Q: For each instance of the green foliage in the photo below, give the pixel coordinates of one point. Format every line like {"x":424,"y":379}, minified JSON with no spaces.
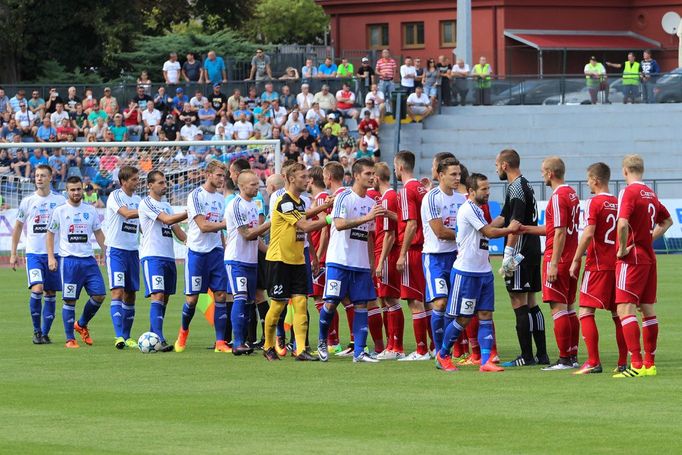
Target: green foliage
{"x":287,"y":21}
{"x":53,"y":72}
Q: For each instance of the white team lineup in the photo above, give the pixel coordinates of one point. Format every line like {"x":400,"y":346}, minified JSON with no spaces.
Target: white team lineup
{"x":366,"y":247}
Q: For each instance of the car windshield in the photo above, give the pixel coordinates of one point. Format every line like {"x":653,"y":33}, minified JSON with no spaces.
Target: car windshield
{"x":673,"y":75}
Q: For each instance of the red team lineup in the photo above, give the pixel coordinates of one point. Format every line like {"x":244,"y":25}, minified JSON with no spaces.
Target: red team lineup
{"x":372,"y":247}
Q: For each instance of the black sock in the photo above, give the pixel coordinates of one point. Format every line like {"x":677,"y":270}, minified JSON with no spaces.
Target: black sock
{"x":228,"y":331}
{"x":263,"y":308}
{"x":538,"y":329}
{"x":523,"y":332}
{"x":307,"y":330}
{"x":252,"y":326}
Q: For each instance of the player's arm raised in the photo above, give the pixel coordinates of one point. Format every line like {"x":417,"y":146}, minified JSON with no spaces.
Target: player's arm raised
{"x":342,"y":224}
{"x":583,"y":243}
{"x":16,"y":236}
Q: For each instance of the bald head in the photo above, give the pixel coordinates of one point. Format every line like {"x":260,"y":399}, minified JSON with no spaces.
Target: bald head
{"x":274,"y":182}
{"x":556,"y":166}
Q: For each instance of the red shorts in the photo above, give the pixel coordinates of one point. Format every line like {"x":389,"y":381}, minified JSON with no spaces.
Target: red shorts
{"x":563,"y":289}
{"x":318,"y":283}
{"x":388,"y":286}
{"x":598,"y":290}
{"x":635,"y":283}
{"x":412,"y":283}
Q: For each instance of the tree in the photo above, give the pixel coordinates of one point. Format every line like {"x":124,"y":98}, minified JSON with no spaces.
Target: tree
{"x":287,"y":21}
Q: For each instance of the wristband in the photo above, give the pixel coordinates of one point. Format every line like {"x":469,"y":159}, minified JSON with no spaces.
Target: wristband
{"x":329,"y":219}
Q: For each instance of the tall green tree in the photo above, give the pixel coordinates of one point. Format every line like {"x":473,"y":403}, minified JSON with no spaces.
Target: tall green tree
{"x":287,"y":21}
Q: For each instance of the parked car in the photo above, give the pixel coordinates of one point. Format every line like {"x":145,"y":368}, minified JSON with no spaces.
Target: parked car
{"x":668,"y":88}
{"x":536,"y":91}
{"x":583,"y":95}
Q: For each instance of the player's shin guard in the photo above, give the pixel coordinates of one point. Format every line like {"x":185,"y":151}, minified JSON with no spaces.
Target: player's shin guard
{"x":537,"y":321}
{"x":187,"y":315}
{"x":398,"y":328}
{"x":523,"y":332}
{"x":620,"y":341}
{"x":350,"y":316}
{"x":89,"y":310}
{"x":452,"y":332}
{"x":591,"y":338}
{"x":156,"y":315}
{"x":437,"y":329}
{"x":326,"y":318}
{"x":300,"y":322}
{"x":238,"y":318}
{"x":35,"y":306}
{"x":420,"y":328}
{"x":650,"y":338}
{"x":631,"y":334}
{"x":562,"y":333}
{"x":220,"y":320}
{"x":575,"y":332}
{"x":375,"y":324}
{"x":116,"y":310}
{"x":485,"y":339}
{"x":472,"y":335}
{"x":49,"y":308}
{"x":360,"y":331}
{"x":69,"y":317}
{"x":128,"y":319}
{"x":429,"y":332}
{"x":271,"y":319}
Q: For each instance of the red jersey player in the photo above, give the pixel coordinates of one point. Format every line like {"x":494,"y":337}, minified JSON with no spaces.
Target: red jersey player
{"x":558,"y":288}
{"x":375,"y":321}
{"x":411,"y":240}
{"x":641,"y":220}
{"x":598,"y":286}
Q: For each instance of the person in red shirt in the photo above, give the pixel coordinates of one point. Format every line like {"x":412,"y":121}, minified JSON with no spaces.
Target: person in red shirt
{"x":598,"y":286}
{"x":375,"y":319}
{"x":562,"y":218}
{"x":345,"y":102}
{"x":641,"y":220}
{"x":411,"y":240}
{"x":368,"y":123}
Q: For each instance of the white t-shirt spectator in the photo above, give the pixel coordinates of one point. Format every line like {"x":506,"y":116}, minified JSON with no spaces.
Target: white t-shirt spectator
{"x":317,"y":116}
{"x":377,"y":97}
{"x":279,"y":116}
{"x":172,"y":70}
{"x":419,"y":102}
{"x":243,"y":130}
{"x":24,"y":119}
{"x":374,"y":113}
{"x":152,"y":118}
{"x":305,"y":102}
{"x":197,"y":103}
{"x":464,"y":71}
{"x":57,"y":118}
{"x":407,"y":71}
{"x":188,"y":132}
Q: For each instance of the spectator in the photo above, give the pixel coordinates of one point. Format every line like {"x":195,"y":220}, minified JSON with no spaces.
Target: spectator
{"x":132,"y":117}
{"x":5,"y":162}
{"x":326,"y":100}
{"x":227,"y":126}
{"x":16,"y":100}
{"x":269,"y":94}
{"x":26,"y":120}
{"x":363,"y":150}
{"x":290,"y":74}
{"x":197,"y":101}
{"x":366,"y":72}
{"x":79,"y":121}
{"x":151,"y":119}
{"x":171,"y":69}
{"x":142,"y":98}
{"x":408,"y":73}
{"x":316,"y":113}
{"x":378,"y":98}
{"x":264,"y":109}
{"x":310,"y":157}
{"x":368,"y":124}
{"x":46,"y":132}
{"x":419,"y":72}
{"x":345,"y":102}
{"x":119,"y":130}
{"x":595,"y":78}
{"x":179,"y":100}
{"x":162,"y":102}
{"x":263,"y":127}
{"x":52,"y":100}
{"x":234,"y":100}
{"x":71,"y":100}
{"x":650,"y":73}
{"x":430,"y":79}
{"x":9,"y":131}
{"x":346,"y":163}
{"x":59,"y":164}
{"x":214,"y":68}
{"x":460,"y":73}
{"x":221,"y":135}
{"x":104,"y":181}
{"x":329,"y":146}
{"x":5,"y":107}
{"x":292,"y":152}
{"x":286,"y":99}
{"x":95,"y":114}
{"x":260,"y":66}
{"x":279,"y":114}
{"x":109,"y":161}
{"x":304,"y":100}
{"x":305,"y":140}
{"x":346,"y":141}
{"x":146,"y":84}
{"x":65,"y":129}
{"x":108,"y":103}
{"x":91,"y":197}
{"x":482,"y":78}
{"x":293,"y":127}
{"x":445,"y":70}
{"x":170,"y":128}
{"x":207,"y":116}
{"x":187,"y":113}
{"x":385,"y":69}
{"x":189,"y":130}
{"x":369,"y":145}
{"x":89,"y":101}
{"x":145,"y":163}
{"x":332,"y":124}
{"x":59,"y":115}
{"x":252,"y":99}
{"x":308,"y":71}
{"x":373,"y":111}
{"x":243,"y":109}
{"x":38,"y":158}
{"x":20,"y":164}
{"x":192,"y":71}
{"x":418,"y":104}
{"x":345,"y":69}
{"x":243,"y":129}
{"x":218,"y":101}
{"x":347,"y":179}
{"x":36,"y":104}
{"x":313,"y":128}
{"x":327,"y":69}
{"x":98,"y":132}
{"x":631,"y":75}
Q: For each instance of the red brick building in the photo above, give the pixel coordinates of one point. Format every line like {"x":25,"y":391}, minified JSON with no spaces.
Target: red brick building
{"x":517,"y":36}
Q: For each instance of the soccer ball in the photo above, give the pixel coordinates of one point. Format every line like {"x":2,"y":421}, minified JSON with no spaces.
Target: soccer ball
{"x":149,"y":342}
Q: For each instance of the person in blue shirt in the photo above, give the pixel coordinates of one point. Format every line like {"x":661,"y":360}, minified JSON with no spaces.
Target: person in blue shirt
{"x":269,"y":94}
{"x":179,"y":99}
{"x":37,"y":159}
{"x":215,"y":68}
{"x":46,"y":132}
{"x":327,"y":69}
{"x":650,"y":72}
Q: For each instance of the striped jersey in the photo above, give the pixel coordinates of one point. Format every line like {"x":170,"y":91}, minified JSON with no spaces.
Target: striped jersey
{"x":439,"y":205}
{"x":120,"y":232}
{"x":156,"y":239}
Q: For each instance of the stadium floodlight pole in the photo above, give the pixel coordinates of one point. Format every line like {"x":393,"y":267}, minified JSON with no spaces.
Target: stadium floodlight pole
{"x":464,"y":41}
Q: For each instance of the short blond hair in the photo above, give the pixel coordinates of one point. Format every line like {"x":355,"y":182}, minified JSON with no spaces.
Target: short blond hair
{"x":382,"y":171}
{"x":214,"y":165}
{"x":634,"y":164}
{"x":555,"y":165}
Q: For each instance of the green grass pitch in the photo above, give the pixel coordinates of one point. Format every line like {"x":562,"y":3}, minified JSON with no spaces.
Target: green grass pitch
{"x":100,"y":400}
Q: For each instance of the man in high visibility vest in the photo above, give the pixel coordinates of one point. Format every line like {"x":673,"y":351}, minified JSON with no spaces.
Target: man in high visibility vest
{"x":631,"y":77}
{"x":481,"y":74}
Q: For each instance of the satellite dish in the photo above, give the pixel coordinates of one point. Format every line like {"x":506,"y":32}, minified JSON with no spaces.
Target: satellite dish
{"x":670,"y":22}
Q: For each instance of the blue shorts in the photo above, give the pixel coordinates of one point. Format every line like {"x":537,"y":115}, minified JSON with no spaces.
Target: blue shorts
{"x":38,"y":272}
{"x":357,"y":285}
{"x":123,"y":269}
{"x":471,"y":293}
{"x":160,"y":275}
{"x":437,"y":268}
{"x":308,"y":269}
{"x":430,"y":90}
{"x":78,"y":273}
{"x":204,"y":271}
{"x":241,"y":279}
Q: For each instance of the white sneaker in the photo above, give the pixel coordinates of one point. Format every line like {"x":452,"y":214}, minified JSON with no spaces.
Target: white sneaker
{"x":346,"y":352}
{"x":387,"y":355}
{"x":364,"y":357}
{"x":432,"y":354}
{"x":415,"y":356}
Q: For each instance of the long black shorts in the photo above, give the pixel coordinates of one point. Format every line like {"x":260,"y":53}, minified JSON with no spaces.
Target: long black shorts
{"x":526,"y":278}
{"x":286,"y":280}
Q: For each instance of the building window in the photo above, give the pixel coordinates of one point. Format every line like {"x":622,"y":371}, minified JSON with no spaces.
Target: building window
{"x":448,"y":34}
{"x":377,"y":35}
{"x":413,"y":35}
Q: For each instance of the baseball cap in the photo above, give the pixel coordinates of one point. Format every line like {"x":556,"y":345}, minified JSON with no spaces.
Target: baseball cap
{"x":170,"y":116}
{"x":88,"y":187}
{"x":365,"y":60}
{"x":179,"y":90}
{"x":331,"y":116}
{"x":217,"y":84}
{"x":593,"y":58}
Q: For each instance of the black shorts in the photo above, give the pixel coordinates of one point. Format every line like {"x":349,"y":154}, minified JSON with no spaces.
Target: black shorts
{"x":526,"y":278}
{"x":286,"y":280}
{"x":262,"y":277}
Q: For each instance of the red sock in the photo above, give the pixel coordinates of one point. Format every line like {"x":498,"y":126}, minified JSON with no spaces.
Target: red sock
{"x":318,"y":305}
{"x":350,"y":314}
{"x":575,"y":332}
{"x":472,"y":334}
{"x":398,"y":327}
{"x":390,"y":331}
{"x":333,"y":337}
{"x":591,"y":338}
{"x":432,"y":346}
{"x":650,"y":337}
{"x":493,"y":350}
{"x":459,"y":348}
{"x":620,"y":341}
{"x":384,"y":318}
{"x":562,"y":333}
{"x":631,"y":334}
{"x":375,"y":325}
{"x":420,"y":329}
